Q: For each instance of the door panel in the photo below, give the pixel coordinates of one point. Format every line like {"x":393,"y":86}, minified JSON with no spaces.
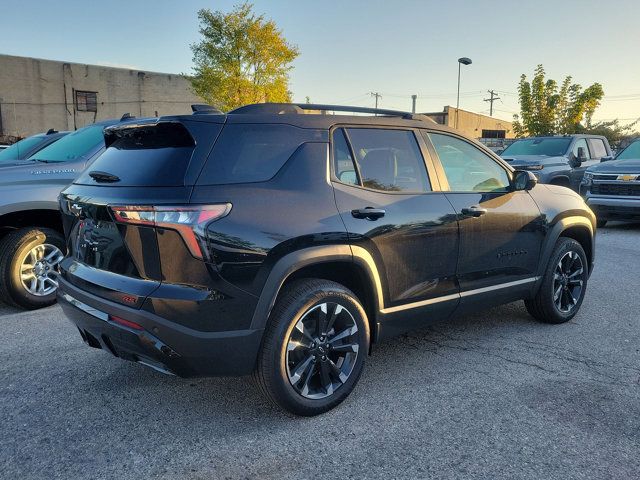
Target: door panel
{"x":501,"y":230}
{"x":415,"y":244}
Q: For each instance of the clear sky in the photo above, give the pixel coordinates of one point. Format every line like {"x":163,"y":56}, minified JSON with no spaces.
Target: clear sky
{"x":351,"y":48}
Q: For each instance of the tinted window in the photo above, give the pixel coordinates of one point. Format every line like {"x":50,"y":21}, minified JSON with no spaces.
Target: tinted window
{"x":581,"y":143}
{"x":631,"y":152}
{"x":468,"y":169}
{"x":389,"y":160}
{"x":73,"y":146}
{"x":252,"y":153}
{"x":145,"y":155}
{"x":342,"y":159}
{"x":19,"y":148}
{"x":549,"y":147}
{"x":598,"y":149}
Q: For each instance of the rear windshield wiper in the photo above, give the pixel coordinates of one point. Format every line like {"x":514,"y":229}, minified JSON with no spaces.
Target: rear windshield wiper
{"x":104,"y":177}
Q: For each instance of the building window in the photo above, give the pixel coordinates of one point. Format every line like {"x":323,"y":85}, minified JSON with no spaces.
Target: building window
{"x":86,"y":101}
{"x":493,"y":133}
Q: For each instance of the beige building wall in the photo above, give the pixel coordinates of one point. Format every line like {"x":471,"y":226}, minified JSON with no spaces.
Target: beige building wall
{"x":471,"y":124}
{"x":36,"y":95}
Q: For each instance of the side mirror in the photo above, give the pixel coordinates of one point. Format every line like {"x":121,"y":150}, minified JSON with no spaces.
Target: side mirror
{"x":606,"y":158}
{"x":575,"y":162}
{"x":524,"y":180}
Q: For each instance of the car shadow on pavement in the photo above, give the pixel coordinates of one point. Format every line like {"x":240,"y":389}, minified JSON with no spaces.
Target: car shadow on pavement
{"x":400,"y":358}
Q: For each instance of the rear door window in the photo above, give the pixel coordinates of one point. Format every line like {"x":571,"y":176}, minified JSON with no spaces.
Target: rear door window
{"x":247,"y":153}
{"x":598,"y":150}
{"x":386,"y":160}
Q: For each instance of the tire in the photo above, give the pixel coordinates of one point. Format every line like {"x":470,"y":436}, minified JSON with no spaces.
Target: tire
{"x":550,"y":307}
{"x":15,"y":253}
{"x":600,"y":223}
{"x":326,"y":380}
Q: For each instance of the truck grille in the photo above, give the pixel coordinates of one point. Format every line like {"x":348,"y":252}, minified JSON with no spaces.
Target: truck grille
{"x":627,"y":190}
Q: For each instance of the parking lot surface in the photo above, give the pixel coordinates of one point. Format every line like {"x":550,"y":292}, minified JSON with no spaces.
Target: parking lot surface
{"x":492,"y":395}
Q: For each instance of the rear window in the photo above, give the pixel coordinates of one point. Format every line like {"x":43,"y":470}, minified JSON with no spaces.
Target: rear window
{"x":141,"y":155}
{"x":247,"y":153}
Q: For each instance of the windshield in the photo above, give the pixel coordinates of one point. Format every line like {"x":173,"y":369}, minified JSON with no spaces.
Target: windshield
{"x":631,"y":152}
{"x":548,"y":147}
{"x":73,"y":146}
{"x":14,"y":151}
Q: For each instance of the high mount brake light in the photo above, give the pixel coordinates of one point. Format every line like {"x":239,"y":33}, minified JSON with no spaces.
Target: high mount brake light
{"x":188,"y":220}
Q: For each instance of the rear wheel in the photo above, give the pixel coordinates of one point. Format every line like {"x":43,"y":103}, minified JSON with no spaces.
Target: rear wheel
{"x":563,"y":286}
{"x":29,"y":260}
{"x":314,"y":347}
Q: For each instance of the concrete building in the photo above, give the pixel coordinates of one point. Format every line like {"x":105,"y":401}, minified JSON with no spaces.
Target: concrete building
{"x":36,"y":95}
{"x":474,"y":125}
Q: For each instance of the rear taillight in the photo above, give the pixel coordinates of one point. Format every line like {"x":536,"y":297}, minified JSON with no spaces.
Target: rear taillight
{"x":188,"y":220}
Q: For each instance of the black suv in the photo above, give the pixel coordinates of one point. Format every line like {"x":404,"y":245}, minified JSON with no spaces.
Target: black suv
{"x":283,"y":241}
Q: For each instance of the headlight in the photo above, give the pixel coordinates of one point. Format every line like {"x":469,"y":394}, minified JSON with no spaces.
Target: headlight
{"x":587,"y":179}
{"x":532,"y":167}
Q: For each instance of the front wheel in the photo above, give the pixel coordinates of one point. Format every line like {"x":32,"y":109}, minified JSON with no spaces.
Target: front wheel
{"x":563,"y":286}
{"x":314,"y":347}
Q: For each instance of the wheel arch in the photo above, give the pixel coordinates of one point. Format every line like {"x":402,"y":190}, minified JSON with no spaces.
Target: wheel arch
{"x":31,"y":217}
{"x":350,"y":266}
{"x":576,"y":227}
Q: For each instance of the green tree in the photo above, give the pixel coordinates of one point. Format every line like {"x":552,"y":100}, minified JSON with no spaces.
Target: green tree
{"x":242,"y":58}
{"x":546,"y":109}
{"x":616,"y":134}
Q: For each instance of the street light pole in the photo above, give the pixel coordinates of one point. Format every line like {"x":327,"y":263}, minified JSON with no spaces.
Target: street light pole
{"x":461,"y":61}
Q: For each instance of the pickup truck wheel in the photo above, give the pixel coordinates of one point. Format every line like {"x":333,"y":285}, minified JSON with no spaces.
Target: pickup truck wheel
{"x":563,"y":286}
{"x":314,"y":347}
{"x":29,"y":260}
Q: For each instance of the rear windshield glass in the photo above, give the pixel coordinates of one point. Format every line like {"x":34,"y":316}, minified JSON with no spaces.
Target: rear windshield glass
{"x":145,"y":155}
{"x":247,"y":153}
{"x":549,"y":147}
{"x":74,"y":146}
{"x":15,"y":151}
{"x":631,"y":152}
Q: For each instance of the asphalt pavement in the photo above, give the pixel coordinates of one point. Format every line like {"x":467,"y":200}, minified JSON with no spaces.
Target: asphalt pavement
{"x":491,"y":395}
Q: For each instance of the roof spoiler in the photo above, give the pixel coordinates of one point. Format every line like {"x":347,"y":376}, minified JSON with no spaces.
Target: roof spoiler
{"x":204,"y":109}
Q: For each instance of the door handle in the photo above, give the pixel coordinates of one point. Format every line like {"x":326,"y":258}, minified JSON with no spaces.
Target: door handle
{"x":369,"y":213}
{"x":474,"y":211}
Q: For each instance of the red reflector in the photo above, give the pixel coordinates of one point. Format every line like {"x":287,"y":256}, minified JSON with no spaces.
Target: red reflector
{"x":125,"y":323}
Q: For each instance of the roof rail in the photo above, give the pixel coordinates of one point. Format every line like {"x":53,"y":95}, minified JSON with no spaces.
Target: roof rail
{"x":296,"y":108}
{"x":202,"y":109}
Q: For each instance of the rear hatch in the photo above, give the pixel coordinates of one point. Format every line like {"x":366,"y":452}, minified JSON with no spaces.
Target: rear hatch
{"x":137,"y":189}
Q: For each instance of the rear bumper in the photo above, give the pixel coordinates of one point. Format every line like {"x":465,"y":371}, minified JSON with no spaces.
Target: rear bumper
{"x":615,"y":208}
{"x":159,"y":343}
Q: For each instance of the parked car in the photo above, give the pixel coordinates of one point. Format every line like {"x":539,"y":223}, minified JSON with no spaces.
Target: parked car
{"x":28,"y":146}
{"x":31,"y":236}
{"x":283,"y":244}
{"x":612,"y":188}
{"x":558,"y":160}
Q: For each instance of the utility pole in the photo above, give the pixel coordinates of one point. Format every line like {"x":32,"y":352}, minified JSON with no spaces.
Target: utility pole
{"x":493,"y":98}
{"x":377,"y":95}
{"x":413,"y":103}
